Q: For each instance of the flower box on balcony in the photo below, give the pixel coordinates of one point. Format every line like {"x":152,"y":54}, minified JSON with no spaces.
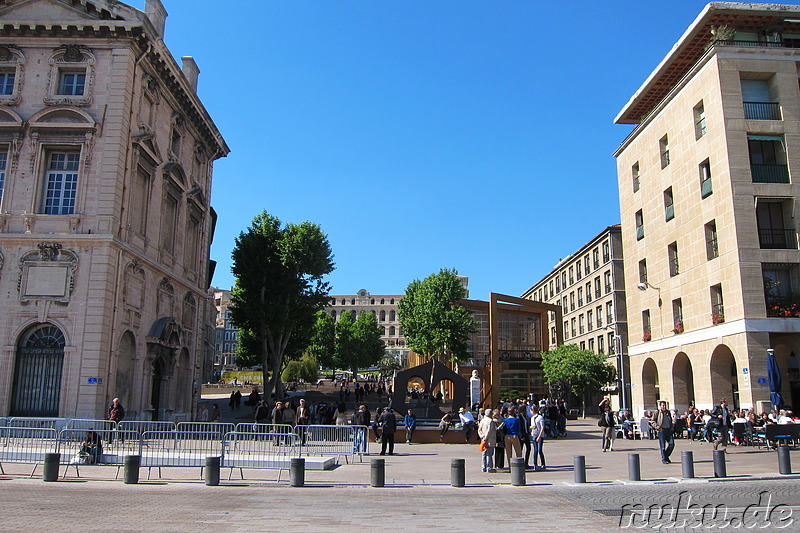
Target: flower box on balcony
{"x":678,"y":329}
{"x":717,"y":319}
{"x":647,"y":337}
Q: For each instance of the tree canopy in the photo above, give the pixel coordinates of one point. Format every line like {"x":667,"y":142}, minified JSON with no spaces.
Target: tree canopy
{"x":358,"y":342}
{"x":582,"y":372}
{"x":434,"y":324}
{"x":323,"y":340}
{"x":279,"y":288}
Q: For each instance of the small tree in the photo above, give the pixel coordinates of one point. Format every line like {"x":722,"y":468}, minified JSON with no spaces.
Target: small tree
{"x":434,"y":323}
{"x":323,"y":340}
{"x":581,"y":371}
{"x":305,"y":368}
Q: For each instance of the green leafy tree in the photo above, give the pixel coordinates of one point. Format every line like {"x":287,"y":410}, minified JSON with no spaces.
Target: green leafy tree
{"x":279,"y":288}
{"x":323,"y":340}
{"x":304,"y":368}
{"x":358,"y":342}
{"x":434,"y":323}
{"x":248,"y":349}
{"x":388,"y":366}
{"x":582,"y":372}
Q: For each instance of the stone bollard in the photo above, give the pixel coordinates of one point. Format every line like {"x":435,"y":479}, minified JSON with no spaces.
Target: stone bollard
{"x":518,"y":471}
{"x":579,"y":466}
{"x":297,"y":472}
{"x":50,"y":469}
{"x":212,"y":471}
{"x":634,"y":467}
{"x":784,"y":460}
{"x":719,"y":464}
{"x":687,"y":464}
{"x":377,"y":473}
{"x":457,"y":472}
{"x":131,"y":472}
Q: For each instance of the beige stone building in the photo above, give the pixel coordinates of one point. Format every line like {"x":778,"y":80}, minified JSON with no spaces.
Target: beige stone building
{"x":708,"y":186}
{"x":384,"y":307}
{"x":226,"y":333}
{"x":589,"y":286}
{"x":105,"y":173}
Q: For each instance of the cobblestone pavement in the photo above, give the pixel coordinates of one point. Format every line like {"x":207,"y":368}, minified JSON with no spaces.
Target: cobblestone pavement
{"x":772,"y":505}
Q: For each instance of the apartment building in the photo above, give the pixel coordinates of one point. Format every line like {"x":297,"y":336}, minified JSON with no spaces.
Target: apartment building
{"x":589,"y":286}
{"x":707,"y":186}
{"x":226,"y":333}
{"x":106,"y":157}
{"x":384,"y":307}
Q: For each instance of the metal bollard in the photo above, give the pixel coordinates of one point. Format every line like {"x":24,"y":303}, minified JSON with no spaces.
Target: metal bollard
{"x":131,"y":474}
{"x":297,"y":472}
{"x":784,"y":460}
{"x":457,"y":475}
{"x":50,"y":470}
{"x":212,"y":471}
{"x":634,"y":467}
{"x":518,"y":471}
{"x":579,"y":466}
{"x":687,"y":464}
{"x":719,"y":464}
{"x":377,"y":473}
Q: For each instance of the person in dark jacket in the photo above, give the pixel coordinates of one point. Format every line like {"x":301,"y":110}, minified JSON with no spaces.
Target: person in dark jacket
{"x":724,"y":423}
{"x":388,"y":424}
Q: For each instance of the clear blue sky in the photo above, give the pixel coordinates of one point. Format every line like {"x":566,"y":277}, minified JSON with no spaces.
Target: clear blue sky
{"x":468,"y":134}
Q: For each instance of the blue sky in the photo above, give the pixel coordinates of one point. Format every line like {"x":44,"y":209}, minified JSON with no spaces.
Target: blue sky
{"x":420,"y":135}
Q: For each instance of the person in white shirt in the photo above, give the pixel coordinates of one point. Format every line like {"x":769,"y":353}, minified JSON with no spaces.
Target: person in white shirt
{"x":537,"y":439}
{"x":467,"y":422}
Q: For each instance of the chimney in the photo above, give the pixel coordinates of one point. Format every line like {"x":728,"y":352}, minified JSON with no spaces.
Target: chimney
{"x":155,"y":11}
{"x":191,"y":71}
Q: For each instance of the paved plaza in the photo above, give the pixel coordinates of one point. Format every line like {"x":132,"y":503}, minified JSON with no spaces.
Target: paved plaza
{"x":418,"y":494}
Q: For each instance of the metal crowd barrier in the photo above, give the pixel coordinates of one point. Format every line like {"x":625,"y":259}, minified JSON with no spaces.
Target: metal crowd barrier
{"x":243,"y":427}
{"x":260,"y":450}
{"x":37,"y":422}
{"x":114,"y":446}
{"x":342,"y":441}
{"x":26,"y":445}
{"x":220,"y":429}
{"x":146,"y":425}
{"x":86,"y":424}
{"x":178,"y":448}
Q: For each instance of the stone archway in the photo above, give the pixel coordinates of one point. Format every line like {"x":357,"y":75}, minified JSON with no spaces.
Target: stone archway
{"x":682,"y":382}
{"x":650,"y":386}
{"x":38,"y":368}
{"x":724,"y":376}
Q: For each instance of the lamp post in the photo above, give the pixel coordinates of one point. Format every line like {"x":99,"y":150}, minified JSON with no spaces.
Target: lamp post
{"x":620,"y":364}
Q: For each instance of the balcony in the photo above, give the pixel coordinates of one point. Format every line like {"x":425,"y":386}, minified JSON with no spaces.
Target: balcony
{"x":762,"y":111}
{"x":770,"y":173}
{"x":783,"y":307}
{"x":777,"y":239}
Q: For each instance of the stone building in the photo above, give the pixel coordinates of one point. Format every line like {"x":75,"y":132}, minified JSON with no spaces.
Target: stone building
{"x":106,"y":157}
{"x":589,"y":285}
{"x":226,"y":334}
{"x":708,"y":187}
{"x":384,"y":307}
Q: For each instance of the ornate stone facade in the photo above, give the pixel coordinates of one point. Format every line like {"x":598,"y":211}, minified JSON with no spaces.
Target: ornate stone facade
{"x":106,"y":157}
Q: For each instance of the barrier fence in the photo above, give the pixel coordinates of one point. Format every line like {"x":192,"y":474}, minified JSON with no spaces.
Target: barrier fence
{"x":166,"y":444}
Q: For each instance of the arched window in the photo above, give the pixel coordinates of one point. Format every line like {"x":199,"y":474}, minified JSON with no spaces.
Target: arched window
{"x":333,"y":314}
{"x":391,"y":331}
{"x":391,"y":301}
{"x":383,"y":316}
{"x":37,"y":372}
{"x":382,"y":301}
{"x":392,"y":316}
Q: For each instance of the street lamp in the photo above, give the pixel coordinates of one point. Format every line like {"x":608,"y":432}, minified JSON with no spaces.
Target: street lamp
{"x":645,"y":285}
{"x":620,"y":364}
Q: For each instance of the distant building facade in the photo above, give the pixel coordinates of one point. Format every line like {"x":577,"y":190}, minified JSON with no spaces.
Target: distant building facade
{"x":106,"y":156}
{"x":226,"y":333}
{"x":384,"y":307}
{"x":589,"y":286}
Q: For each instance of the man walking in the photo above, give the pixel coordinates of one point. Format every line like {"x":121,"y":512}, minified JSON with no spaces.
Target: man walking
{"x":388,"y":423}
{"x":724,"y":425}
{"x":664,"y":424}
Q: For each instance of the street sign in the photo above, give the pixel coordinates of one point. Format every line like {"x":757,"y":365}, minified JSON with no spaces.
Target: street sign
{"x":94,"y":381}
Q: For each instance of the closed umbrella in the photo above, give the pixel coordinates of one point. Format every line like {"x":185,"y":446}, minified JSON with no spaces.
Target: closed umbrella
{"x":774,"y":377}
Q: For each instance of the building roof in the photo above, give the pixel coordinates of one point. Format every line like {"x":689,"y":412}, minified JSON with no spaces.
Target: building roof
{"x":694,"y":44}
